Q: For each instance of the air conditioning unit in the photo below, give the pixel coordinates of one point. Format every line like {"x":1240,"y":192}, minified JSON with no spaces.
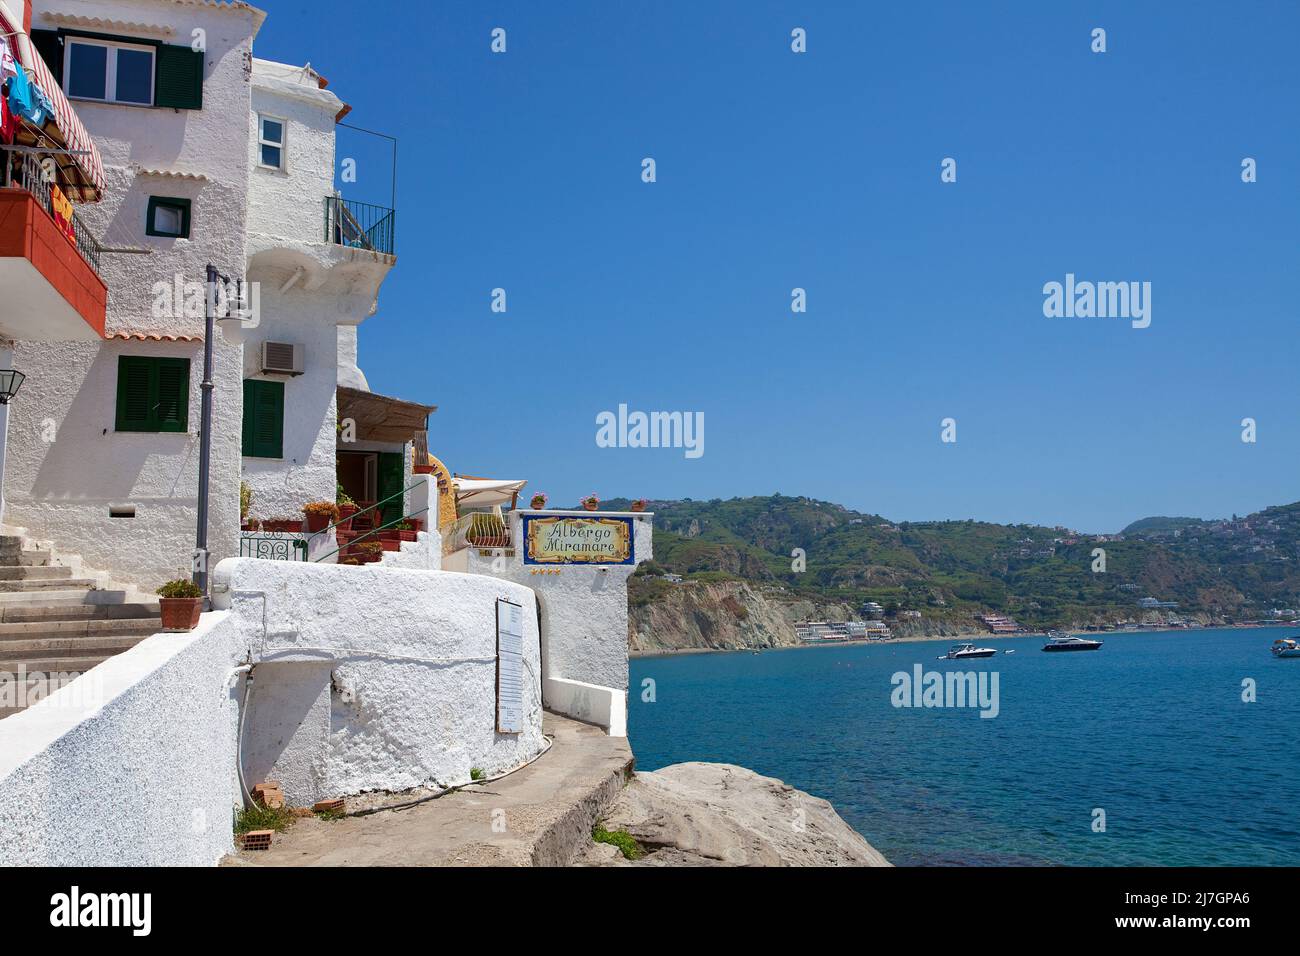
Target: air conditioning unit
{"x":281,"y":358}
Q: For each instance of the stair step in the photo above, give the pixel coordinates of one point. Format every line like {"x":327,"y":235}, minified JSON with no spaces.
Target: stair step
{"x":71,"y":597}
{"x":33,"y":573}
{"x":46,"y":584}
{"x":24,"y":613}
{"x":43,"y":647}
{"x":34,"y":558}
{"x":47,"y":663}
{"x":27,"y":630}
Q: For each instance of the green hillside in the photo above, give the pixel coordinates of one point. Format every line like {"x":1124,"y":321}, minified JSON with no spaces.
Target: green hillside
{"x":1233,"y":569}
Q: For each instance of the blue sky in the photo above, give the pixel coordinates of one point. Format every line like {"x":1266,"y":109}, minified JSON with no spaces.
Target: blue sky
{"x":822,"y":171}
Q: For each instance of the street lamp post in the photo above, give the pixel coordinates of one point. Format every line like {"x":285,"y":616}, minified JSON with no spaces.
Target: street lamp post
{"x":205,"y":431}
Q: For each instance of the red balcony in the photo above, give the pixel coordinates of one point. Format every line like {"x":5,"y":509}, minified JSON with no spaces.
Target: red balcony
{"x":51,"y":289}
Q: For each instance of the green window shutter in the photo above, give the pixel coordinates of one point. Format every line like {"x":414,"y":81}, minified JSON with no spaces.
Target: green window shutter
{"x":133,"y":401}
{"x":263,"y":435}
{"x":178,"y":77}
{"x":173,"y":405}
{"x":49,"y":45}
{"x":153,"y":394}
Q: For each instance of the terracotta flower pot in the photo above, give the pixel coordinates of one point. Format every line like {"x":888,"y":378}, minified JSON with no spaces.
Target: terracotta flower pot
{"x":591,"y":505}
{"x":180,"y":614}
{"x":345,"y":516}
{"x":422,"y":469}
{"x":638,"y":506}
{"x":537,"y":504}
{"x":317,"y":522}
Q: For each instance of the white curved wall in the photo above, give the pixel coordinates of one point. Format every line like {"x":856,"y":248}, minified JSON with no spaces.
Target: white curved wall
{"x":375,"y":677}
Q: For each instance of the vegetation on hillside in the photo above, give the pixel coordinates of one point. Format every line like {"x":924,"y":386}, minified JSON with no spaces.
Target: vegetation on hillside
{"x":1234,"y":569}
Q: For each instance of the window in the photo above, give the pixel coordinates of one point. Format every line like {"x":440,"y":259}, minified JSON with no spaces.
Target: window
{"x":167,"y":216}
{"x":112,"y":72}
{"x":153,"y":394}
{"x":270,"y":141}
{"x":123,"y":69}
{"x":263,"y":419}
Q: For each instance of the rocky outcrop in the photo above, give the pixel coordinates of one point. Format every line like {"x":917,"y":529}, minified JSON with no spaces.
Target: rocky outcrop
{"x":734,"y":615}
{"x":716,"y":814}
{"x":721,"y":616}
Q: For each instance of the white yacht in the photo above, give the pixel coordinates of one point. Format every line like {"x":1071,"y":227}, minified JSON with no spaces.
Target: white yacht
{"x":959,"y":652}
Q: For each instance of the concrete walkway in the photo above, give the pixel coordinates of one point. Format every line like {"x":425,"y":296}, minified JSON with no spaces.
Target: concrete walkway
{"x":548,"y":810}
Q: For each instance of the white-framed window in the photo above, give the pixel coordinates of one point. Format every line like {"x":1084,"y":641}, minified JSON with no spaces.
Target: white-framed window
{"x":109,"y":72}
{"x":271,"y":132}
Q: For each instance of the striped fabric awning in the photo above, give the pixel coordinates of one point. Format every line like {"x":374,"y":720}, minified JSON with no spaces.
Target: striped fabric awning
{"x":83,"y":170}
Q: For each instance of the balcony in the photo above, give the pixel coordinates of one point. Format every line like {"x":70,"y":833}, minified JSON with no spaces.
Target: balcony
{"x":359,"y":225}
{"x":53,"y":291}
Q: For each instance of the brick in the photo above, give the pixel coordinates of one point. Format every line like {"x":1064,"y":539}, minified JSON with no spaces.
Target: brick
{"x":327,"y":806}
{"x":257,"y":840}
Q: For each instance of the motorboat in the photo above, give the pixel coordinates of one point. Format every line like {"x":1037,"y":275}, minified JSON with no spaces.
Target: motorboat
{"x":960,"y":652}
{"x":1065,"y":642}
{"x":1286,"y":647}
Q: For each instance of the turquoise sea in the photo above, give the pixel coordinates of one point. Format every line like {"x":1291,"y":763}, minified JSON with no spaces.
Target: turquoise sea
{"x":1151,"y":729}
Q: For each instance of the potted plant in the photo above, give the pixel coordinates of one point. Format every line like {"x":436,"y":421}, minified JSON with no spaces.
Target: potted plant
{"x":368,"y":552}
{"x":245,"y":500}
{"x":538,"y":501}
{"x":180,"y":602}
{"x":252,"y":524}
{"x":347,"y":508}
{"x":639,"y":504}
{"x":320,"y":514}
{"x":591,"y":502}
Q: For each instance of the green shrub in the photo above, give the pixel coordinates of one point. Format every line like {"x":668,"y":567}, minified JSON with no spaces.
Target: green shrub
{"x":180,"y":588}
{"x":625,"y":842}
{"x":258,"y":817}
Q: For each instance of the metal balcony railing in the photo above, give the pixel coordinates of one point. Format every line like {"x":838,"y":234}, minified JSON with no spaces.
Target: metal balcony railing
{"x":478,"y":529}
{"x":359,"y":225}
{"x":34,"y":179}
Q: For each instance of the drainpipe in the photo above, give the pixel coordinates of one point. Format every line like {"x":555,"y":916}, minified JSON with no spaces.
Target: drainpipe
{"x":205,"y":435}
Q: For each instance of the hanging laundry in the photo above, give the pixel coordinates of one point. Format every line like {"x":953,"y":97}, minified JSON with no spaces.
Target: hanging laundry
{"x":43,"y":109}
{"x":8,"y":64}
{"x":21,"y":100}
{"x":7,"y":122}
{"x":62,"y":210}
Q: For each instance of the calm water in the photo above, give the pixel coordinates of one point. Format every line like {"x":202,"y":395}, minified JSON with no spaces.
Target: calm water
{"x":1151,"y":728}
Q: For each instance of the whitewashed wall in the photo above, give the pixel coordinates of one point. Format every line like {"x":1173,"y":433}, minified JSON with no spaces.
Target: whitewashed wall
{"x":584,"y":609}
{"x":366,"y":678}
{"x":310,"y":288}
{"x":142,"y":775}
{"x":375,"y":677}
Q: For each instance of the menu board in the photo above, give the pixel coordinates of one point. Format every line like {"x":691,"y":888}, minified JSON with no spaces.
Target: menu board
{"x":510,"y":667}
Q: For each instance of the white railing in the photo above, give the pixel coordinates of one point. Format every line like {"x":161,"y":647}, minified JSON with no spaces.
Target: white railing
{"x":478,"y":529}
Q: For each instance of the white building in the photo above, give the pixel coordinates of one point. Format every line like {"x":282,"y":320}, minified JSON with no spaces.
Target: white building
{"x":210,"y":156}
{"x":102,"y":458}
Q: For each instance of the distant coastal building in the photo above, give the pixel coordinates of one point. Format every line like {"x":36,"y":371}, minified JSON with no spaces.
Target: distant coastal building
{"x":1150,"y":603}
{"x":814,"y":632}
{"x":872,"y":609}
{"x":999,"y":624}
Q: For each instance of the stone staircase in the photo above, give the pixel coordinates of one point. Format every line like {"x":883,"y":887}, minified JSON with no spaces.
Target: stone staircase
{"x":57,"y":619}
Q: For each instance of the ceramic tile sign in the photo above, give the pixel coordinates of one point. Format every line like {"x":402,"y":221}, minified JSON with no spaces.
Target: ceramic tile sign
{"x":571,"y":539}
{"x":510,"y":667}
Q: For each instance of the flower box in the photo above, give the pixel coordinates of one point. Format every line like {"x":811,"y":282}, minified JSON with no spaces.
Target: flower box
{"x":180,"y":614}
